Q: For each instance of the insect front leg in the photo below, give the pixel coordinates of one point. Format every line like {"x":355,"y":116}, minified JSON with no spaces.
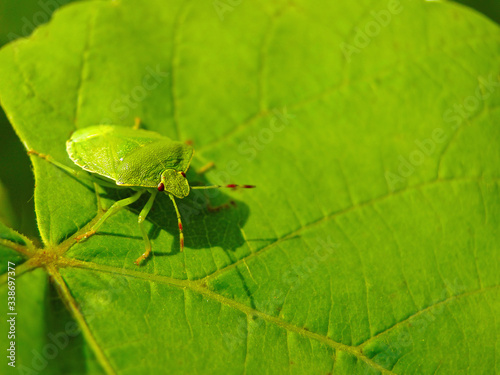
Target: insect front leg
{"x":179,"y":222}
{"x":142,"y":217}
{"x":117,"y":206}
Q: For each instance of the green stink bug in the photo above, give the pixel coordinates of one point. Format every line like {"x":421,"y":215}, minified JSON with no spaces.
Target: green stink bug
{"x":142,"y":160}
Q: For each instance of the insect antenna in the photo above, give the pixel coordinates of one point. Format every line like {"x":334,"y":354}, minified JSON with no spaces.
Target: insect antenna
{"x":231,"y":186}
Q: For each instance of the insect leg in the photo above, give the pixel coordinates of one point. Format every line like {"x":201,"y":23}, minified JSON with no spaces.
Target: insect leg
{"x":50,"y":159}
{"x":181,"y":234}
{"x":142,"y":217}
{"x":118,"y":205}
{"x":98,"y":197}
{"x":231,"y":186}
{"x":137,"y":123}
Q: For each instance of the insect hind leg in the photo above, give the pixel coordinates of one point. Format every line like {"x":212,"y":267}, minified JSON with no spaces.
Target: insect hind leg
{"x":65,"y":168}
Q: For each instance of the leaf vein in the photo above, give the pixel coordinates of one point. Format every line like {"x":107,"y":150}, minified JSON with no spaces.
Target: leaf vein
{"x":427,"y":309}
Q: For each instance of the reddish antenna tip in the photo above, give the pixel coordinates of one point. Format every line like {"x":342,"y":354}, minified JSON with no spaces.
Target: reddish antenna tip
{"x":183,"y":174}
{"x":248,"y":186}
{"x":161,"y":187}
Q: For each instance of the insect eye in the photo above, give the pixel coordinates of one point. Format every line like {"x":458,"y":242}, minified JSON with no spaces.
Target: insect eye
{"x":161,"y":187}
{"x":183,"y":174}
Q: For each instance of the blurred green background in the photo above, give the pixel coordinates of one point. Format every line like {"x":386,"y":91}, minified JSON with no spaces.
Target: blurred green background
{"x":18,"y":18}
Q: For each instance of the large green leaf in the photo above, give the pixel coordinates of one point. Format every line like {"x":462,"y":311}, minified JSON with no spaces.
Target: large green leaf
{"x":371,"y":131}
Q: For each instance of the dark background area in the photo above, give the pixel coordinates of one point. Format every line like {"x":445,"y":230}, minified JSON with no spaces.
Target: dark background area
{"x":18,"y":18}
